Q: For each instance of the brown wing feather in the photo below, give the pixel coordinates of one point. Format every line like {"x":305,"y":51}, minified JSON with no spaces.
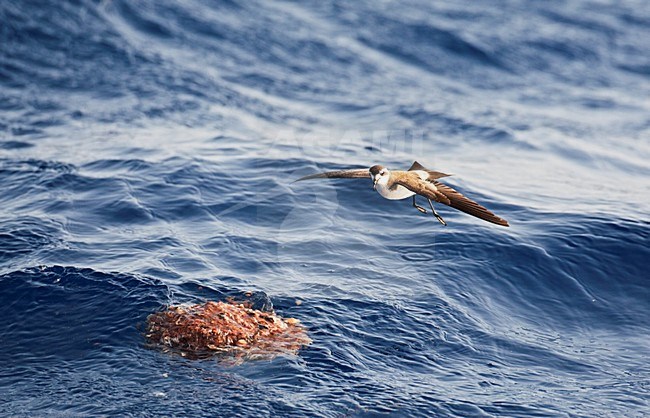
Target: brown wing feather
{"x":341,"y":174}
{"x":433,"y":175}
{"x":460,"y":202}
{"x":445,"y":194}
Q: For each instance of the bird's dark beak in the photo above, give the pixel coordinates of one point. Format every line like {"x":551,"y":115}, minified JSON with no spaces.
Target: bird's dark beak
{"x":374,"y":184}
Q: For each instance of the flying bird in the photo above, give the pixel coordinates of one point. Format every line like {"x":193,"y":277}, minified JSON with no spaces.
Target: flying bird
{"x":417,"y":180}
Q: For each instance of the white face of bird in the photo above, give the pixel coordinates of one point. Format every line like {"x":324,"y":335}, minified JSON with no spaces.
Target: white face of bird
{"x":381,"y":177}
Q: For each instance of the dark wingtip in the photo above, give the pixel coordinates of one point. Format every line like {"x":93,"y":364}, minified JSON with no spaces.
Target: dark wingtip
{"x":416,"y":166}
{"x":499,"y":221}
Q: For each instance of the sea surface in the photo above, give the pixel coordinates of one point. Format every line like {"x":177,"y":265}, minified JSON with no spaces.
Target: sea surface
{"x":147,"y":156}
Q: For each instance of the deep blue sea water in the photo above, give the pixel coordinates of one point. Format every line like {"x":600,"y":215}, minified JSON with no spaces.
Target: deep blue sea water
{"x":147,"y":153}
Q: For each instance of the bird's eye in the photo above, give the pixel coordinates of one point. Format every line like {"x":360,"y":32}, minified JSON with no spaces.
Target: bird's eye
{"x":382,"y":172}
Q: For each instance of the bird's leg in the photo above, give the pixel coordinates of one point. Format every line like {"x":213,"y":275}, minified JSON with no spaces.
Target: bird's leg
{"x":418,"y":207}
{"x":438,"y":217}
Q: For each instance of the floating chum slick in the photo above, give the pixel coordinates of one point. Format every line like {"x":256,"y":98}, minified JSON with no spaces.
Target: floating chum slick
{"x":233,"y":330}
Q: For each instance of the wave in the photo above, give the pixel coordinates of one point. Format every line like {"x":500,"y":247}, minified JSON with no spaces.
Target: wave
{"x":159,"y":140}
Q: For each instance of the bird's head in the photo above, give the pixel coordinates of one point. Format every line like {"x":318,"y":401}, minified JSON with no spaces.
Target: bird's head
{"x":379,"y":175}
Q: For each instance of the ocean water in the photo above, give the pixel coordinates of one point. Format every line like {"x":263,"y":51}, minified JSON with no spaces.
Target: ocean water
{"x":147,"y":154}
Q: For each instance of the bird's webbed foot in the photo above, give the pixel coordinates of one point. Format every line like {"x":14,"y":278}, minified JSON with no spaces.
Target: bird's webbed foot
{"x":438,"y":217}
{"x":418,"y":207}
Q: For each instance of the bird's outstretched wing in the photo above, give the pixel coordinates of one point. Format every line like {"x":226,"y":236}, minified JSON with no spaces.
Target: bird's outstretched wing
{"x":342,"y":174}
{"x":445,"y":194}
{"x":433,"y":175}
